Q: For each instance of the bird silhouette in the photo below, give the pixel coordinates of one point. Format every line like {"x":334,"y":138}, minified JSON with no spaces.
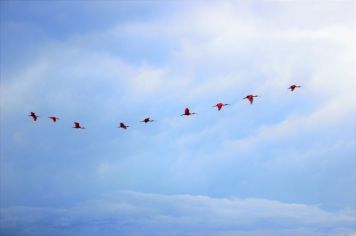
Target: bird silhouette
{"x":54,"y":118}
{"x":34,"y":116}
{"x":77,"y":126}
{"x":250,"y":97}
{"x":187,"y":112}
{"x":146,"y":120}
{"x":123,"y":126}
{"x":293,"y":86}
{"x":220,"y":105}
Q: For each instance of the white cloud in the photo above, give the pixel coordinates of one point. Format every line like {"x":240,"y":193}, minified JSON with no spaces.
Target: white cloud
{"x":228,"y":41}
{"x":77,"y":79}
{"x":157,"y":214}
{"x":334,"y":113}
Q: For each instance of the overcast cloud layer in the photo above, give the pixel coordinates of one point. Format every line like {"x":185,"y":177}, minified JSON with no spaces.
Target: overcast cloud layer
{"x":282,"y":166}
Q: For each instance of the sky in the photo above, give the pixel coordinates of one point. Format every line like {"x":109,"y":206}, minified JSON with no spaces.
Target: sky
{"x":284,"y":165}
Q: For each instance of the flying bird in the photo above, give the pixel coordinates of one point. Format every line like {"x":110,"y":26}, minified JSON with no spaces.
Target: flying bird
{"x":123,"y":126}
{"x":293,"y":86}
{"x":146,"y":120}
{"x":220,"y":105}
{"x":77,"y":126}
{"x":54,"y":118}
{"x":187,"y":112}
{"x":250,"y":97}
{"x":34,"y":116}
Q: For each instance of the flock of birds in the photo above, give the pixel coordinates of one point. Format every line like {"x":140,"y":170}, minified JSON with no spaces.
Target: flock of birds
{"x":187,"y":112}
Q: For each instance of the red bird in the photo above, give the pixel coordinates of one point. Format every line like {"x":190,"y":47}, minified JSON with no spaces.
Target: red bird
{"x":146,"y":120}
{"x":77,"y":126}
{"x":250,"y":97}
{"x":123,"y":126}
{"x":54,"y":118}
{"x":34,"y":116}
{"x":293,"y":86}
{"x":187,"y":112}
{"x":220,"y":105}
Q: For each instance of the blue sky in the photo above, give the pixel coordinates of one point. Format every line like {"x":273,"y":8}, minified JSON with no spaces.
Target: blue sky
{"x":282,"y":166}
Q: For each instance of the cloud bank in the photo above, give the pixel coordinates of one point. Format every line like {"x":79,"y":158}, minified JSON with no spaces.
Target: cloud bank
{"x":135,"y":213}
